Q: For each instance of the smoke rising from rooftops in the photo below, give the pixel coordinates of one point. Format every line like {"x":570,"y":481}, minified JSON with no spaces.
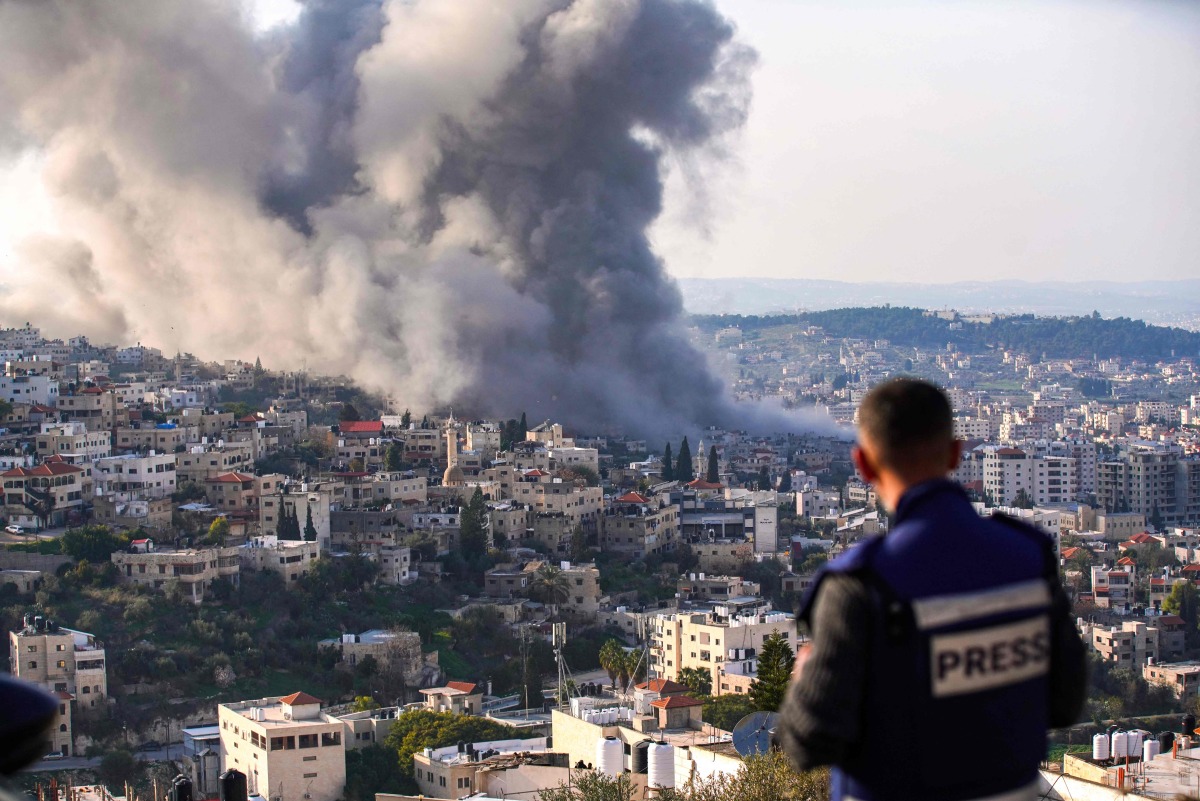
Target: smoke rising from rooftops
{"x":447,"y":201}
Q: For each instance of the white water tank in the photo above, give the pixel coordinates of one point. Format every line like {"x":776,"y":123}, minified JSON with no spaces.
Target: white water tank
{"x":1120,"y":744}
{"x":660,"y":769}
{"x":608,"y":757}
{"x":1150,"y":749}
{"x":1134,"y":746}
{"x":1100,"y":747}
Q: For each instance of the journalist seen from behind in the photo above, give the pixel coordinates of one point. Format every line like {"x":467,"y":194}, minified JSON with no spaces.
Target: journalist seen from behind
{"x":942,"y":652}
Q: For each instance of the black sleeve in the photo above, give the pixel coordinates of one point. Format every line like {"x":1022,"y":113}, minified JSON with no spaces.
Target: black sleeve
{"x":1068,"y":662}
{"x":821,"y":716}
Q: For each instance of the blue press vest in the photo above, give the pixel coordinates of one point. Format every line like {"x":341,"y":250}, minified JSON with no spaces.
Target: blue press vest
{"x":956,"y":701}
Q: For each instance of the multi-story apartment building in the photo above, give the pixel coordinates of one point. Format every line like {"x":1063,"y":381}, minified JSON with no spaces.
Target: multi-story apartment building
{"x":1153,"y":480}
{"x":149,"y":476}
{"x":635,"y":525}
{"x":360,"y":439}
{"x":398,"y":651}
{"x":291,"y":559}
{"x":73,"y":442}
{"x":201,"y":462}
{"x":1113,"y":586}
{"x":287,"y":747}
{"x":51,"y":492}
{"x":1129,"y":645}
{"x":68,"y":663}
{"x":195,"y":569}
{"x":98,"y":409}
{"x":38,"y":389}
{"x":726,"y":641}
{"x":580,"y":588}
{"x":1182,"y":678}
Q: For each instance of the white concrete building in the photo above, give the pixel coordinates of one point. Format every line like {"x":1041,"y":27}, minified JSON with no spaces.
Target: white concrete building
{"x":286,"y":746}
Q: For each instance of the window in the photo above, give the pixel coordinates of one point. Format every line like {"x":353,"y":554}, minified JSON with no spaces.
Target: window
{"x":310,"y":775}
{"x":441,"y":781}
{"x":33,"y":665}
{"x":331,"y":738}
{"x":62,"y":663}
{"x":308,"y":741}
{"x":31,"y":649}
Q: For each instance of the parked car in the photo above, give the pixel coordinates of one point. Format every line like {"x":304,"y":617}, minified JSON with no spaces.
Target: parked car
{"x":14,"y":529}
{"x":54,"y":755}
{"x":150,"y":745}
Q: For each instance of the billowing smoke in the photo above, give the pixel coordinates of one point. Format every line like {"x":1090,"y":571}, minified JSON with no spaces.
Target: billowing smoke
{"x":447,"y":199}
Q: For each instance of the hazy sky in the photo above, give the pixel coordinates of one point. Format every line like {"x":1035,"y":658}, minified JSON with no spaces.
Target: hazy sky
{"x":956,"y":140}
{"x":930,"y":142}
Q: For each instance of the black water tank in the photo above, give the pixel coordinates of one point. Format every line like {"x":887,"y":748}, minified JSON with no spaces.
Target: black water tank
{"x":1166,"y":739}
{"x":549,"y":741}
{"x":641,"y":756}
{"x":1189,"y":724}
{"x":181,"y":790}
{"x":233,"y":785}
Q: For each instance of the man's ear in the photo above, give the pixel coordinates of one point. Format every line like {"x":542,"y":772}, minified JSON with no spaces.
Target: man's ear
{"x":956,"y":446}
{"x":862,"y":461}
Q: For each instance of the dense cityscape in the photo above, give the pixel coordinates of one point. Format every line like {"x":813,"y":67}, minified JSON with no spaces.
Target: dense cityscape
{"x":193,"y":548}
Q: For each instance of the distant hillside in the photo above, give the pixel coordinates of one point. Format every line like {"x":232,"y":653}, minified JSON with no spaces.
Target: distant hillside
{"x":1056,"y":337}
{"x":1174,"y":303}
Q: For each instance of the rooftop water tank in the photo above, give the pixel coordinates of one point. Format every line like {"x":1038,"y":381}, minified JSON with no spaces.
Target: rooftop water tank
{"x":608,"y":757}
{"x":1100,"y":747}
{"x":641,"y":757}
{"x":661,"y":767}
{"x":1150,"y":749}
{"x":1120,"y":745}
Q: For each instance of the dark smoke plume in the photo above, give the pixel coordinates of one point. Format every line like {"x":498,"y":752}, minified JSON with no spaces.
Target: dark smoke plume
{"x":447,"y":200}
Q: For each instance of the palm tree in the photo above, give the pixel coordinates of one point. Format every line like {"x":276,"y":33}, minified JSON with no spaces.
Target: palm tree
{"x":612,"y":658}
{"x":550,"y":585}
{"x":633,"y":667}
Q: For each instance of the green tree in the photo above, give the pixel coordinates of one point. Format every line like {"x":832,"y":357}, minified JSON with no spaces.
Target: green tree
{"x":633,"y":668}
{"x":612,"y":658}
{"x":1023,"y":501}
{"x":1184,"y":601}
{"x":406,"y":419}
{"x":218,"y":530}
{"x":472,"y":535}
{"x":774,"y":671}
{"x":697,"y":680}
{"x":724,"y":711}
{"x":418,"y":729}
{"x":591,"y":785}
{"x":393,"y":457}
{"x":363,"y":703}
{"x":94,"y":543}
{"x":765,"y":777}
{"x":684,"y":471}
{"x":374,"y":769}
{"x":713,"y":475}
{"x":550,"y":585}
{"x":668,"y":461}
{"x":310,"y":531}
{"x":764,"y":478}
{"x":117,"y":768}
{"x":357,"y":465}
{"x":522,"y":428}
{"x":785,"y":482}
{"x":579,"y":545}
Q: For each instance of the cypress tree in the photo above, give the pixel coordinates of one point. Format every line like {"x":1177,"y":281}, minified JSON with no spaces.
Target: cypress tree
{"x":684,"y":471}
{"x":310,"y":531}
{"x":668,"y":469}
{"x":524,"y":429}
{"x":774,"y":670}
{"x":764,"y":478}
{"x":713,"y":475}
{"x":785,"y":483}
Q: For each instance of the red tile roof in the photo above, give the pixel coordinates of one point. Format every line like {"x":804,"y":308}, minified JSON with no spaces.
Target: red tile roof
{"x":462,"y":686}
{"x":1143,"y":537}
{"x":704,"y":485}
{"x":662,"y":686}
{"x":361,"y":427}
{"x":1069,"y":552}
{"x":51,"y":469}
{"x":632,"y":497}
{"x":1126,"y":561}
{"x":299,"y":699}
{"x":675,"y":702}
{"x":535,"y":473}
{"x":233,"y":477}
{"x":1191,"y":568}
{"x":1172,"y":620}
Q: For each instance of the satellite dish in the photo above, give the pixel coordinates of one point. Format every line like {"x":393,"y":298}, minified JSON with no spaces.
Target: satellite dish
{"x":752,"y":734}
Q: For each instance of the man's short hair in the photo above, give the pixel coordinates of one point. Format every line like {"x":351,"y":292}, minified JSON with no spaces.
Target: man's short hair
{"x":907,"y":421}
